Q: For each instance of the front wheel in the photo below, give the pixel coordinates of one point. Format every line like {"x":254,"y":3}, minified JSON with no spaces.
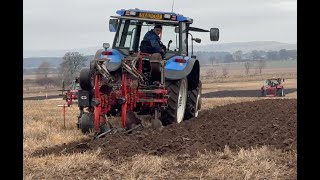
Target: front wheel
{"x":177,"y":91}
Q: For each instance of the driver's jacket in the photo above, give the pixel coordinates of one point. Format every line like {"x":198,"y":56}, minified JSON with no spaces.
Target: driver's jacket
{"x":151,"y":43}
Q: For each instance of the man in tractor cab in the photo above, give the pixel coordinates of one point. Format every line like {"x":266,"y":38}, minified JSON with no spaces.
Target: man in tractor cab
{"x":151,"y":43}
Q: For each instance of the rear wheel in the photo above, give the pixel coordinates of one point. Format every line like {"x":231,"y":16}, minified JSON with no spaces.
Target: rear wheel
{"x":177,"y":91}
{"x":193,"y":102}
{"x":280,"y":92}
{"x":86,"y":81}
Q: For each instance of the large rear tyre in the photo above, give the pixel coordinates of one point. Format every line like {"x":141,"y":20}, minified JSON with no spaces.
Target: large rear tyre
{"x":193,"y":103}
{"x":177,"y":91}
{"x":85,"y":79}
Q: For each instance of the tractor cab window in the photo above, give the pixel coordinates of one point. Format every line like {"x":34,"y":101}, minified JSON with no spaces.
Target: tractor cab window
{"x":126,"y":36}
{"x":168,"y":37}
{"x":273,"y":82}
{"x":184,"y":40}
{"x":77,"y":86}
{"x":131,"y":33}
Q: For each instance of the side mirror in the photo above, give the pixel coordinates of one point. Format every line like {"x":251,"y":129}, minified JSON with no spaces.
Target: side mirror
{"x":197,"y":40}
{"x":214,"y":34}
{"x":113,"y":25}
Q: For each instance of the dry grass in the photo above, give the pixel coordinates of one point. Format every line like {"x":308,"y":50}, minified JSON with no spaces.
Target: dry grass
{"x":289,"y":83}
{"x":43,"y":124}
{"x":255,"y":163}
{"x":43,"y":127}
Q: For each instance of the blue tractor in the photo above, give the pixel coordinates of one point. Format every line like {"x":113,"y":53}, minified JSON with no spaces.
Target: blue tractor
{"x":124,"y":82}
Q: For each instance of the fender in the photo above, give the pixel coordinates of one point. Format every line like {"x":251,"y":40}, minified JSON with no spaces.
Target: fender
{"x":174,"y":72}
{"x":116,"y":58}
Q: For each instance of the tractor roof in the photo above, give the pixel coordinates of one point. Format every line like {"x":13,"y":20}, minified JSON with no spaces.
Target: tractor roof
{"x":153,"y":15}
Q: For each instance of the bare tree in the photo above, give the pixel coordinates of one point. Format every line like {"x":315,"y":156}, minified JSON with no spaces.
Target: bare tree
{"x":237,"y":55}
{"x":247,"y":66}
{"x":212,"y":59}
{"x":44,"y":69}
{"x":260,"y":65}
{"x":225,"y":71}
{"x":72,"y":62}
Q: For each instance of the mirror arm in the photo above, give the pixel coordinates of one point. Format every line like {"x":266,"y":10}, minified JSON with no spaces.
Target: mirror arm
{"x":191,"y":44}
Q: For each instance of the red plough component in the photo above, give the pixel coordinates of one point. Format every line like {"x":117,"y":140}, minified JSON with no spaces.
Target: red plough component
{"x":129,"y":94}
{"x":126,"y":99}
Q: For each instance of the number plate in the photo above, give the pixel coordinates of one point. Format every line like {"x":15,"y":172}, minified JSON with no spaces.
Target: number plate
{"x":150,"y":16}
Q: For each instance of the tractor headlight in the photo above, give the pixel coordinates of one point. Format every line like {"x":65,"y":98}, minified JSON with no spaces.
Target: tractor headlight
{"x":133,"y":13}
{"x":167,"y":16}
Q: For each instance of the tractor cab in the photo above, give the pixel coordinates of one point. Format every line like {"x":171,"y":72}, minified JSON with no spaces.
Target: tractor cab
{"x":131,"y":26}
{"x":273,"y":82}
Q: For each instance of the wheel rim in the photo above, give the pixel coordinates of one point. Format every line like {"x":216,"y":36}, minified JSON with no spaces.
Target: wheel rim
{"x":197,"y":105}
{"x":182,"y":98}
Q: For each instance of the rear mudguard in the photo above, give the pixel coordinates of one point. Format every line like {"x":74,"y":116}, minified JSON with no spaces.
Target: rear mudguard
{"x":115,"y":59}
{"x":175,"y":70}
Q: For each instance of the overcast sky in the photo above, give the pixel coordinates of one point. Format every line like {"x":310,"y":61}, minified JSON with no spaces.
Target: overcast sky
{"x":70,"y":24}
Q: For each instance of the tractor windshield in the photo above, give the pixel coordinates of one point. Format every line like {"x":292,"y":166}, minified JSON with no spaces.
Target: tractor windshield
{"x":131,"y":33}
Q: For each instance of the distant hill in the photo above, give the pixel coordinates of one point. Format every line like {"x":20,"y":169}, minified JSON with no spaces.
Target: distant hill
{"x":245,"y":46}
{"x":215,"y":46}
{"x":34,"y":58}
{"x":29,"y":63}
{"x":59,"y":52}
{"x":34,"y":62}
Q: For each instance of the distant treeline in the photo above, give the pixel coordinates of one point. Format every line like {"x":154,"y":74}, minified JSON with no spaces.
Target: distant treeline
{"x":203,"y":56}
{"x":34,"y":62}
{"x":227,"y":57}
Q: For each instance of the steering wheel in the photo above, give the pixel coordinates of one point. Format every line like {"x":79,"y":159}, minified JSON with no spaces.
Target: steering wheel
{"x":163,"y":47}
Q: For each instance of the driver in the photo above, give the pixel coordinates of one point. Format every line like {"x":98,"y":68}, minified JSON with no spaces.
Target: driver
{"x":151,"y":43}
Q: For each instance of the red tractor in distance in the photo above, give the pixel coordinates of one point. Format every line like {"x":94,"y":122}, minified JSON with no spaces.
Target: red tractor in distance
{"x":272,"y":87}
